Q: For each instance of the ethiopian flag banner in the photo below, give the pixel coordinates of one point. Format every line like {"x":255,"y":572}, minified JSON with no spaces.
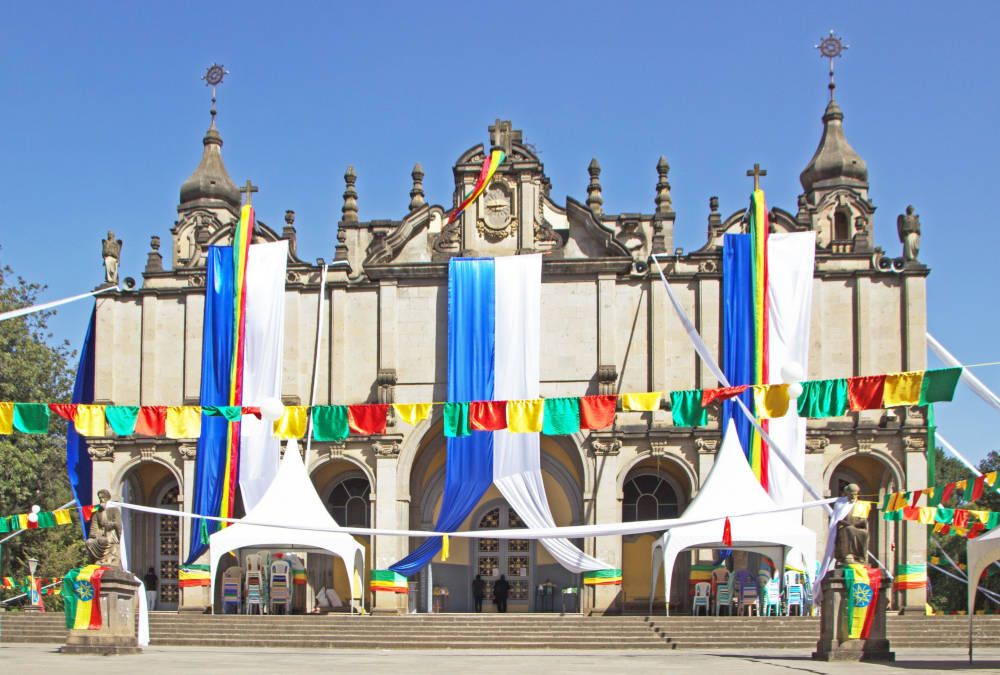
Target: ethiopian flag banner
{"x":82,"y":597}
{"x":387,"y":580}
{"x":863,"y":588}
{"x":608,"y":577}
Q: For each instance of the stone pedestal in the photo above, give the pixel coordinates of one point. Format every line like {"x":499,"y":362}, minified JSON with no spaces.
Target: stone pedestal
{"x":196,"y":599}
{"x":833,"y":644}
{"x":117,"y":634}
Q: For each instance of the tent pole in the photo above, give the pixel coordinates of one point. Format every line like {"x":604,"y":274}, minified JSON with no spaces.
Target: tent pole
{"x":315,"y":369}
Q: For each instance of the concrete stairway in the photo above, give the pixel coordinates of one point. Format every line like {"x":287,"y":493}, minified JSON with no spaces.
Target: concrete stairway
{"x":512,"y":631}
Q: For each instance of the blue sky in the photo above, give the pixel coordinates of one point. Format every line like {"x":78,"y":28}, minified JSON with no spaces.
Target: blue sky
{"x":103,"y":112}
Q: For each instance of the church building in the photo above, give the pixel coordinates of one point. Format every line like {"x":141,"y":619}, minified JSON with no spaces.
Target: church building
{"x":607,"y":327}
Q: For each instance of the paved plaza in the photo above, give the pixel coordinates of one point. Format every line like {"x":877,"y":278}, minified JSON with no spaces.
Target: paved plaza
{"x":32,"y":658}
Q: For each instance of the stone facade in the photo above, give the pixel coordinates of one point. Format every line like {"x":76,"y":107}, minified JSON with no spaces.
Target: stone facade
{"x":607,"y":327}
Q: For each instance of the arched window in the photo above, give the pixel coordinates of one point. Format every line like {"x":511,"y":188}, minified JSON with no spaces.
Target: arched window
{"x":349,"y":503}
{"x":648,"y":497}
{"x":842,"y":224}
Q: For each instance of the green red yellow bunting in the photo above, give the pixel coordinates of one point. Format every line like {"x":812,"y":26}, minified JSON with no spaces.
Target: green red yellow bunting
{"x":23,"y":521}
{"x":939,"y":385}
{"x":193,"y":576}
{"x":608,"y":577}
{"x":561,"y":416}
{"x":387,"y":580}
{"x":823,"y":398}
{"x":910,"y":576}
{"x":686,"y":409}
{"x":330,"y":423}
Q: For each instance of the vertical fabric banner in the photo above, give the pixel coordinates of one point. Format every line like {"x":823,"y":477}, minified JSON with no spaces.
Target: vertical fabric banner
{"x":791,"y":260}
{"x":216,"y":360}
{"x":469,"y":463}
{"x":759,"y":231}
{"x":260,"y":451}
{"x":738,"y":331}
{"x":517,"y":467}
{"x":78,"y":462}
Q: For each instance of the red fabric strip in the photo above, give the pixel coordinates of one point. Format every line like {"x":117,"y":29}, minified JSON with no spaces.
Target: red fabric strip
{"x":95,"y":605}
{"x":976,"y":530}
{"x":916,"y":497}
{"x":911,"y":513}
{"x":251,"y":410}
{"x":708,"y":396}
{"x":977,"y":489}
{"x":367,"y":419}
{"x":87,"y":512}
{"x":727,"y":533}
{"x":67,"y":411}
{"x":487,"y":415}
{"x":946,"y":492}
{"x":597,"y":412}
{"x":865,"y":393}
{"x":151,"y":421}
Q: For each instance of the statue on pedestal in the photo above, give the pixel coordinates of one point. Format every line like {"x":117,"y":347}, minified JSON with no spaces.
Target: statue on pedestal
{"x":908,"y":227}
{"x":852,"y":534}
{"x":111,"y":251}
{"x":104,"y":541}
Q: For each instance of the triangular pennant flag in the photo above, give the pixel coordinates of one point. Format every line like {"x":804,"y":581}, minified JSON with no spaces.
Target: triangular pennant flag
{"x":727,"y":533}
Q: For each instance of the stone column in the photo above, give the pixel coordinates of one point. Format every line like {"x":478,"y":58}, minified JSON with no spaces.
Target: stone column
{"x":816,"y":519}
{"x":607,"y":509}
{"x":387,"y":550}
{"x":913,"y":548}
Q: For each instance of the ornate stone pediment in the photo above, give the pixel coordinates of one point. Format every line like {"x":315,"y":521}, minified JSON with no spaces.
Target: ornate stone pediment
{"x":498,"y":220}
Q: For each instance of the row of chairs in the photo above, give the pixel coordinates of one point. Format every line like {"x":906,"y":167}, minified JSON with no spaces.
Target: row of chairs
{"x":749,"y":597}
{"x":254,"y":592}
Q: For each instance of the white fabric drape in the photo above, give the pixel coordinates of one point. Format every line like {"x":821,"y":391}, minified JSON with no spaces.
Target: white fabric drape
{"x":262,"y":360}
{"x":517,"y":469}
{"x":790,"y":263}
{"x":143,"y":629}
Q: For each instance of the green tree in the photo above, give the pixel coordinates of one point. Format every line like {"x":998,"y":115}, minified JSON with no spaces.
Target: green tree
{"x":948,"y":594}
{"x":32,"y":369}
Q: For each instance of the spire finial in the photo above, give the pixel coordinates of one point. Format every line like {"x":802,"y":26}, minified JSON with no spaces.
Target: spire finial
{"x":664,"y":202}
{"x":213,"y":78}
{"x":595,"y":200}
{"x":417,"y":192}
{"x":831,"y":47}
{"x":349,"y":211}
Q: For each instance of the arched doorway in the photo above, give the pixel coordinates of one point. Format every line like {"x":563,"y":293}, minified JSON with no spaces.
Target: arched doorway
{"x":514,"y":558}
{"x":875,"y":477}
{"x":151,"y":540}
{"x":653,"y":489}
{"x":346,"y":492}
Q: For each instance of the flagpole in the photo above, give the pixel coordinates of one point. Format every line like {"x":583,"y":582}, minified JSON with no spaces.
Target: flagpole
{"x":319,"y":338}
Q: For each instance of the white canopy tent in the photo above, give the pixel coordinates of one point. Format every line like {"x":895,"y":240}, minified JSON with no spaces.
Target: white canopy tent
{"x":980,"y":554}
{"x":732,"y":487}
{"x":291,"y":498}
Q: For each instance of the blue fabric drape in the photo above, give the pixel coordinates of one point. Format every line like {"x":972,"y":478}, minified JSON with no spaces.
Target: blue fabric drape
{"x":78,"y":462}
{"x":471,"y":330}
{"x":216,"y":355}
{"x":738,"y":329}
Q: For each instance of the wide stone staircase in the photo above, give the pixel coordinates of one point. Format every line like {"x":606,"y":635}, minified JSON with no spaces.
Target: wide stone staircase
{"x":511,"y":631}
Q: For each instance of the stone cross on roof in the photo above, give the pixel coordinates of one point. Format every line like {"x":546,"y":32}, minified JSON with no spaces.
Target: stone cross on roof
{"x":503,"y":135}
{"x":756,"y":172}
{"x":250,"y":188}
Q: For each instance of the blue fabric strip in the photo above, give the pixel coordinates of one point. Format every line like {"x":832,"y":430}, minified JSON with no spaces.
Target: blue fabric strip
{"x":216,"y":352}
{"x":738,"y":329}
{"x":471,"y":347}
{"x":78,"y":462}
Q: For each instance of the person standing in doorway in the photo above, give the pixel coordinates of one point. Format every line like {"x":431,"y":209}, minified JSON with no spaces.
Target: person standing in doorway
{"x":478,"y":591}
{"x":500,"y":590}
{"x":151,"y":580}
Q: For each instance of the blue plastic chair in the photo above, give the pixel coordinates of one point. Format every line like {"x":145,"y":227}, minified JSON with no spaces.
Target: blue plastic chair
{"x":772,"y":597}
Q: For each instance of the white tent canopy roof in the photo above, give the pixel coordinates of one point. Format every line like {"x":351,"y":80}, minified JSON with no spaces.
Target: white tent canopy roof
{"x":292,"y":499}
{"x":732,"y":487}
{"x":980,"y":552}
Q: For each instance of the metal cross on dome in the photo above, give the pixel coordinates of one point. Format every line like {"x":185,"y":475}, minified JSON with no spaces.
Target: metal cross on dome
{"x":213,"y":77}
{"x":831,"y":47}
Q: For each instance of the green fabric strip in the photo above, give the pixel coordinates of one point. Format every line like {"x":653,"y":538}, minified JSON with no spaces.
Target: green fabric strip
{"x":603,"y":574}
{"x":892,"y":515}
{"x":911,"y":568}
{"x":31,"y":418}
{"x":686,"y":410}
{"x":4,"y":526}
{"x":849,"y":585}
{"x":561,"y":416}
{"x":232,"y":413}
{"x":456,"y":420}
{"x":197,"y":567}
{"x":944,"y":515}
{"x":46,"y":519}
{"x":993,"y":519}
{"x":939,"y":385}
{"x":823,"y":398}
{"x":388,"y":575}
{"x":69,"y":596}
{"x":121,"y":418}
{"x":329,"y":423}
{"x":931,"y":452}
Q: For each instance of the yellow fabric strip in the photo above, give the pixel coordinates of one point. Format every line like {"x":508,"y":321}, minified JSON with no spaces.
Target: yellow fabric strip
{"x":62,"y":517}
{"x":444,"y":547}
{"x":925,"y":515}
{"x":991,"y":478}
{"x":981,"y":516}
{"x":183,"y":421}
{"x":647,"y":402}
{"x":525,"y":416}
{"x":771,"y":400}
{"x":861,"y":509}
{"x":6,"y":418}
{"x":412,"y":413}
{"x":89,"y":420}
{"x":902,"y":389}
{"x":292,"y":424}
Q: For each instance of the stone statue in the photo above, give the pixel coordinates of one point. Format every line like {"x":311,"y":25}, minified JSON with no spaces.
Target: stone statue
{"x":852,"y":534}
{"x":104,"y":540}
{"x":908,"y":227}
{"x":111,"y":250}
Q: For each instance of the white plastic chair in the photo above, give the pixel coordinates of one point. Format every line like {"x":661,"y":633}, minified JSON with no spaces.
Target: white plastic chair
{"x":702,"y":596}
{"x":724,"y":597}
